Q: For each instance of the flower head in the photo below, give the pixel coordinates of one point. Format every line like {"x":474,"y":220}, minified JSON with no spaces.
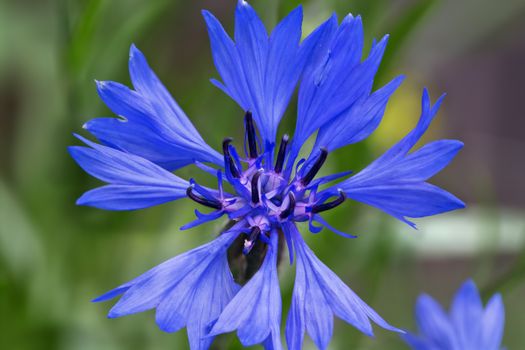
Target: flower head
{"x":467,"y":326}
{"x":272,"y":189}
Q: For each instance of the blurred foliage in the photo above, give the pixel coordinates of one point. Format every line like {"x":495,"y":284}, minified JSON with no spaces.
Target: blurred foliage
{"x":55,"y":256}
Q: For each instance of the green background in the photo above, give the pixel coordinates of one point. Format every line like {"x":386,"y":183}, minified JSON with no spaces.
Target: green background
{"x":55,"y":257}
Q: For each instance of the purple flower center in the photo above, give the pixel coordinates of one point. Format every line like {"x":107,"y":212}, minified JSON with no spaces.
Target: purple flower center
{"x":264,"y":195}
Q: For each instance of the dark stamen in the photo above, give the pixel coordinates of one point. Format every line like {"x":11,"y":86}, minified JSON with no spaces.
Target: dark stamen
{"x":206,"y":202}
{"x":315,"y":168}
{"x":282,"y":153}
{"x":255,"y":187}
{"x":330,"y":205}
{"x":291,"y":206}
{"x":250,"y":132}
{"x":250,"y":242}
{"x":228,"y":160}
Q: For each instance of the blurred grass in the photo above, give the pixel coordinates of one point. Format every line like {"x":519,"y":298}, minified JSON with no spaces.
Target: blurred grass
{"x":54,"y":256}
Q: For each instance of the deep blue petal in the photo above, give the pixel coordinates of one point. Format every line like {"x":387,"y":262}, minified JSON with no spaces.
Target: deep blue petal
{"x":254,"y":323}
{"x":125,"y":102}
{"x":395,"y":183}
{"x":426,"y":161}
{"x":138,"y":139}
{"x":259,"y":72}
{"x":336,"y":82}
{"x":227,"y":62}
{"x":322,"y":79}
{"x":282,"y":70}
{"x":402,"y":200}
{"x":358,"y":122}
{"x":130,"y":197}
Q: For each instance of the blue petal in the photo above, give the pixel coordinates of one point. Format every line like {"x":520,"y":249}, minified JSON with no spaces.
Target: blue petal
{"x":189,"y":290}
{"x":336,"y":82}
{"x":358,"y":122}
{"x":151,"y":117}
{"x":259,"y":72}
{"x":125,"y":102}
{"x":122,"y":197}
{"x":251,"y":41}
{"x":135,"y":182}
{"x":138,"y":139}
{"x":493,"y":323}
{"x":227,"y":62}
{"x":402,"y":200}
{"x":399,"y":150}
{"x":255,"y":311}
{"x":198,"y":300}
{"x":341,"y":47}
{"x":318,"y":295}
{"x":282,"y":70}
{"x":466,"y":314}
{"x":395,"y":183}
{"x":417,"y":343}
{"x":434,"y":324}
{"x":426,"y":161}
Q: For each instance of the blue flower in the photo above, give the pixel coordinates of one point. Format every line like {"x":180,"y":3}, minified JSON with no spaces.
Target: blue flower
{"x":468,"y":326}
{"x":272,"y":189}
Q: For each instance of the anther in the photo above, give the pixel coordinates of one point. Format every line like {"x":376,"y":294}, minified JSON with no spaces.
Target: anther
{"x":282,"y":153}
{"x":250,"y":242}
{"x":250,"y":132}
{"x":330,"y":205}
{"x":315,"y":168}
{"x":255,"y":187}
{"x":206,"y":202}
{"x":291,"y":206}
{"x":228,"y":160}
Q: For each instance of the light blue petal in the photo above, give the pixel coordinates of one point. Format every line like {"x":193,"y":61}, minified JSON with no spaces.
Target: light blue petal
{"x":255,"y":311}
{"x":318,"y":295}
{"x":174,"y":286}
{"x":417,"y":343}
{"x":434,"y":323}
{"x":319,"y":319}
{"x":466,"y":314}
{"x":493,"y":323}
{"x":135,"y":182}
{"x":295,"y":323}
{"x":467,"y":326}
{"x":198,"y":300}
